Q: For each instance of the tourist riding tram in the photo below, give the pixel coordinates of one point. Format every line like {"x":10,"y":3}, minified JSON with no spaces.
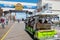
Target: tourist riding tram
{"x":40,"y":26}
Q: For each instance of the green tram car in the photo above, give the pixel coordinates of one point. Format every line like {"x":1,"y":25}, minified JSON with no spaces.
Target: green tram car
{"x":39,"y":27}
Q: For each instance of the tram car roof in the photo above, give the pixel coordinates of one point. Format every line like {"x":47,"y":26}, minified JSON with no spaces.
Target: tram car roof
{"x":44,"y":15}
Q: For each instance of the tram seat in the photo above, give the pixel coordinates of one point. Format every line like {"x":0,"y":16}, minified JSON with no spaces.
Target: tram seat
{"x":43,"y":26}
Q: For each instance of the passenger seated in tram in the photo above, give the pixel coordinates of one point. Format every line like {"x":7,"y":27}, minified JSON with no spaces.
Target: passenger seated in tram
{"x":40,"y":21}
{"x":32,"y":22}
{"x":45,"y":21}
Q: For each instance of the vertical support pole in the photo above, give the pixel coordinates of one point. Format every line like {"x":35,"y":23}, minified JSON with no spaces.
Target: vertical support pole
{"x":36,"y":20}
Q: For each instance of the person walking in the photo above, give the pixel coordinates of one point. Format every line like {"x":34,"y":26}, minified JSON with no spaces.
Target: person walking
{"x":7,"y":21}
{"x":18,"y":20}
{"x":2,"y":21}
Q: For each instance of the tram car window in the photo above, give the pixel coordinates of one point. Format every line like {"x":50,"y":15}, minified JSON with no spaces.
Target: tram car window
{"x":43,"y":26}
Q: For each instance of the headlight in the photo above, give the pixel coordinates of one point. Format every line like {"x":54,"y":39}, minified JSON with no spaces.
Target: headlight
{"x":55,"y":36}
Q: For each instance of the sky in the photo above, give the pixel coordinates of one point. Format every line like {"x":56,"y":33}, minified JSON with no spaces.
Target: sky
{"x":20,"y":15}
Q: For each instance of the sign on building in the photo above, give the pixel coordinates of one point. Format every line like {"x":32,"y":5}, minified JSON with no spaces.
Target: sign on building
{"x":18,"y":6}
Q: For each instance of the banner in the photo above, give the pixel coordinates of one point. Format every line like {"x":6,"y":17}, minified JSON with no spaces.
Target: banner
{"x":13,"y":6}
{"x":29,"y":1}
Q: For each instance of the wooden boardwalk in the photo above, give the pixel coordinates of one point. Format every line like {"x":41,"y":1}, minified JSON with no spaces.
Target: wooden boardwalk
{"x":3,"y":31}
{"x":18,"y":33}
